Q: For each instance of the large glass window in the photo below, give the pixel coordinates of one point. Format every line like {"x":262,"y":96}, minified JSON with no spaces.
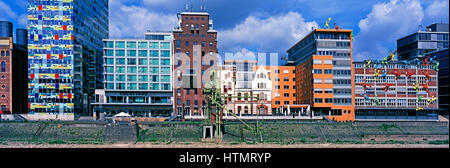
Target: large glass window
{"x":143,"y":61}
{"x":120,"y":86}
{"x":165,"y":78}
{"x":109,"y":77}
{"x":154,"y":86}
{"x":154,"y":78}
{"x":132,"y":86}
{"x":143,"y":70}
{"x":109,"y":52}
{"x":154,"y":62}
{"x":165,"y":61}
{"x":143,"y":53}
{"x":165,"y":53}
{"x":131,"y":53}
{"x":131,"y":69}
{"x":110,"y":61}
{"x":120,"y":69}
{"x":120,"y":61}
{"x":131,"y":44}
{"x":154,"y":70}
{"x":143,"y":86}
{"x":110,"y":44}
{"x":154,"y":53}
{"x":120,"y":53}
{"x":154,"y":45}
{"x":143,"y":44}
{"x":165,"y":70}
{"x":132,"y":78}
{"x":110,"y":86}
{"x":120,"y":44}
{"x":120,"y":77}
{"x":165,"y":45}
{"x":143,"y":78}
{"x":109,"y":69}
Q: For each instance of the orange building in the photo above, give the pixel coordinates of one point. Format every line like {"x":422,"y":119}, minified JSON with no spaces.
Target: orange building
{"x":323,"y":63}
{"x":283,"y":87}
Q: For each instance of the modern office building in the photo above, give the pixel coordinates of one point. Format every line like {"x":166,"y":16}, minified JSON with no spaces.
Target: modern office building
{"x":65,"y":50}
{"x":323,"y":62}
{"x":442,"y":57}
{"x":138,"y":76}
{"x":434,"y":38}
{"x":396,"y":91}
{"x":13,"y":71}
{"x":195,"y":55}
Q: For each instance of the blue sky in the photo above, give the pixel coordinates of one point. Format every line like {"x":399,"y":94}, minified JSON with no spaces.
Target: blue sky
{"x":272,"y":26}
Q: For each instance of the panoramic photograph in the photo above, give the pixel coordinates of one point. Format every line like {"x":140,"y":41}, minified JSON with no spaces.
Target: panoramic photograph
{"x":224,"y":74}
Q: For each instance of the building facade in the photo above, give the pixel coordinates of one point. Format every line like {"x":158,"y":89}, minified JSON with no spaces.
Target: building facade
{"x":323,"y":62}
{"x":442,"y":56}
{"x":435,"y":37}
{"x":396,"y":91}
{"x":6,"y":46}
{"x":283,"y":87}
{"x":13,"y":71}
{"x":65,"y":54}
{"x":195,"y":55}
{"x":138,"y":76}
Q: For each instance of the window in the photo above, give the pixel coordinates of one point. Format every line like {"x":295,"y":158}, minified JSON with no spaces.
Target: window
{"x":286,"y":94}
{"x":187,"y":43}
{"x":286,"y":71}
{"x":131,"y":44}
{"x":317,"y":71}
{"x":154,"y":53}
{"x":286,"y":86}
{"x":286,"y":79}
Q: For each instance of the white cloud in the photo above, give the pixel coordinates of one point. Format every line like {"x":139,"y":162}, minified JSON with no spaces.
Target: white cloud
{"x":384,"y":25}
{"x":437,"y":11}
{"x":133,"y":21}
{"x":272,"y":34}
{"x":6,"y":10}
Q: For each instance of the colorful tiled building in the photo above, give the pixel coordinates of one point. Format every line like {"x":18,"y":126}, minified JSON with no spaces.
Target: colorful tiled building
{"x":65,"y":54}
{"x":323,"y":63}
{"x":396,"y":90}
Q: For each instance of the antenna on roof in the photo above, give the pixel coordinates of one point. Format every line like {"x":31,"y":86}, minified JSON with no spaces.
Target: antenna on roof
{"x":192,"y":6}
{"x":187,"y":7}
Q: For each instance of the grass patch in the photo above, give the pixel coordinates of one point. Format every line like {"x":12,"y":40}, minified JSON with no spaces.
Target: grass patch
{"x":438,"y":142}
{"x":386,"y":127}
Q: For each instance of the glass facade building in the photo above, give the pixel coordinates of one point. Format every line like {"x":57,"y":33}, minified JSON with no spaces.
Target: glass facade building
{"x":137,"y":76}
{"x":65,"y":54}
{"x":418,"y":44}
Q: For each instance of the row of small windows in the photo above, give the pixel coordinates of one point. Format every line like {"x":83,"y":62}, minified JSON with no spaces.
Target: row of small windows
{"x":134,"y":61}
{"x":284,"y":86}
{"x":135,"y":86}
{"x":140,"y":78}
{"x":5,"y":53}
{"x":140,"y":53}
{"x":333,"y":100}
{"x":144,"y":45}
{"x":121,"y":69}
{"x":194,"y":43}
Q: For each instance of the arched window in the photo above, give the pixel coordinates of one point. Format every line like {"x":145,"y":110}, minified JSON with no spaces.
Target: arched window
{"x":3,"y":66}
{"x":7,"y":53}
{"x":211,"y":63}
{"x":3,"y":53}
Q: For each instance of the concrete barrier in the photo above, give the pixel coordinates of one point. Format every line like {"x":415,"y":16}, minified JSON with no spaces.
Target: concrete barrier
{"x":47,"y":117}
